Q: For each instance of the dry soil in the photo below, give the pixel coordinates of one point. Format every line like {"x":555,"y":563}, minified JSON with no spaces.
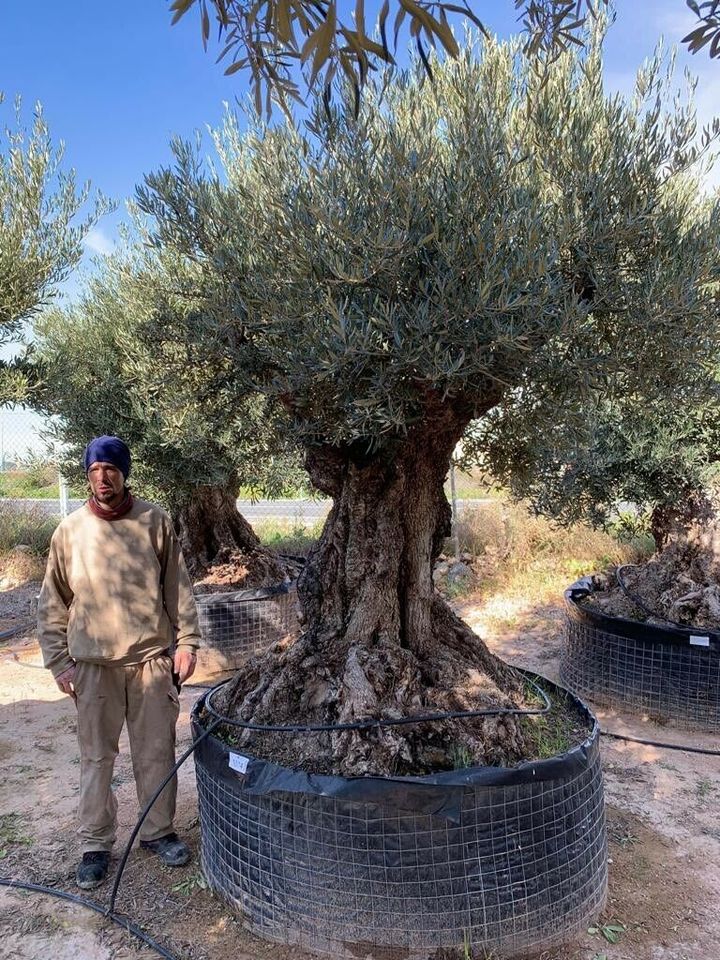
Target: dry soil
{"x":662,"y":817}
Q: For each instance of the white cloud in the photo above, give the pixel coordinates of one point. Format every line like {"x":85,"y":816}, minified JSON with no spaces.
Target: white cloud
{"x":97,"y":241}
{"x":675,"y":21}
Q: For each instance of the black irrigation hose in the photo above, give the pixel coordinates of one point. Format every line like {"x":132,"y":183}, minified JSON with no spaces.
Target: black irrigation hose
{"x":148,"y":807}
{"x":18,"y":628}
{"x":109,"y":911}
{"x":656,"y":743}
{"x":634,"y":598}
{"x":370,"y":722}
{"x":121,"y":921}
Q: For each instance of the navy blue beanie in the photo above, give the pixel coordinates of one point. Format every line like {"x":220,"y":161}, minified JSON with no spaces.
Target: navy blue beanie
{"x":108,"y":450}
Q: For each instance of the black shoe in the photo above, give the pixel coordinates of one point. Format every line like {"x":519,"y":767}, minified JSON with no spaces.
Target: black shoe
{"x":170,"y":849}
{"x":92,"y":870}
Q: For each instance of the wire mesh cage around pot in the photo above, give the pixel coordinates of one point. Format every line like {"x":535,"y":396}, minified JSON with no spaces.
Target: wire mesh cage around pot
{"x":244,"y":623}
{"x":670,"y":673}
{"x":504,"y":860}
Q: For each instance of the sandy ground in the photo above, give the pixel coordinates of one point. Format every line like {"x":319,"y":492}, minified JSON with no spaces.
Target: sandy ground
{"x":662,"y":818}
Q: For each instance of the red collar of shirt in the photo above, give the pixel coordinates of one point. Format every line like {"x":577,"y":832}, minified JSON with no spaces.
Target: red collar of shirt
{"x":123,"y":508}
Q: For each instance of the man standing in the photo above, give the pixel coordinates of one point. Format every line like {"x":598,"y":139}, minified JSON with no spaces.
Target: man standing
{"x":116,"y":620}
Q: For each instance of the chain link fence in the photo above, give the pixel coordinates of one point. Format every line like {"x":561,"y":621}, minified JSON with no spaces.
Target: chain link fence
{"x":30,"y":480}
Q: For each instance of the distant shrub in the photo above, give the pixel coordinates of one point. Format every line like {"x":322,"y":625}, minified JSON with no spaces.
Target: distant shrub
{"x":508,"y":536}
{"x":32,"y":527}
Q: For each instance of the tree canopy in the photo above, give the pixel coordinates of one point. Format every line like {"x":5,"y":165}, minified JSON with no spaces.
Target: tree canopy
{"x":458,"y":242}
{"x":643,"y":466}
{"x":133,"y":356}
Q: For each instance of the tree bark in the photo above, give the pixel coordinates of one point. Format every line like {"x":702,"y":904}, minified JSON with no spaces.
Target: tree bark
{"x":670,"y":521}
{"x":379,"y":641}
{"x":212,"y":531}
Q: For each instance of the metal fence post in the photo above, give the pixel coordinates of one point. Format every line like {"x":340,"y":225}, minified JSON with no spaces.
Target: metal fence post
{"x":454,"y":508}
{"x":64,"y":507}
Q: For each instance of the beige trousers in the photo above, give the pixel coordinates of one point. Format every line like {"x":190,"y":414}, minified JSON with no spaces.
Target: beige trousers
{"x":107,"y":696}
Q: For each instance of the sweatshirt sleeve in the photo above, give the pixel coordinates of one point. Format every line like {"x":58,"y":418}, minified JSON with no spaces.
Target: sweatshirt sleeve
{"x":53,"y":610}
{"x":178,"y":594}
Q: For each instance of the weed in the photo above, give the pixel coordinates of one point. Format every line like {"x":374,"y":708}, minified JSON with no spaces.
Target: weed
{"x":195,"y":881}
{"x":461,"y":756}
{"x":703,"y":788}
{"x":460,"y":587}
{"x":626,"y":839}
{"x":611,"y":931}
{"x":551,"y":739}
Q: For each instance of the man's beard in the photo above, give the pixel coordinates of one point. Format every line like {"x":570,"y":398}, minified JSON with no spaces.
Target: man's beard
{"x":108,"y":497}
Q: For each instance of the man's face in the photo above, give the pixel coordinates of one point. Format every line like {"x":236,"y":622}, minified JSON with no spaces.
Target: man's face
{"x":107,"y":483}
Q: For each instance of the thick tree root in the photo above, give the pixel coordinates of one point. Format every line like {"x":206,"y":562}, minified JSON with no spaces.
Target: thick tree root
{"x":326,"y":680}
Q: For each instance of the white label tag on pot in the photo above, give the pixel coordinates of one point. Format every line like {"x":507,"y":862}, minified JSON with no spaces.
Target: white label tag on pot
{"x":700,"y":641}
{"x":238,"y":763}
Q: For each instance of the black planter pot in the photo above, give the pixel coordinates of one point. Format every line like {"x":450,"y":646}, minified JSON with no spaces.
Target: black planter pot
{"x":500,"y":859}
{"x":670,"y":673}
{"x":237,"y":625}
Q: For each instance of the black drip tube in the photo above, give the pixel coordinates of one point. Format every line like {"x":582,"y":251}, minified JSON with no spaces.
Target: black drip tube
{"x":657,"y":743}
{"x":109,"y":911}
{"x":638,"y":601}
{"x":116,"y":918}
{"x":126,"y":924}
{"x":371,"y":722}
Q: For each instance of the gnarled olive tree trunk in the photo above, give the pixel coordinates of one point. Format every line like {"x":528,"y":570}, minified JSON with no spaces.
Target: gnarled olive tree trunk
{"x":672,"y":521}
{"x":378,"y":640}
{"x":212,"y":531}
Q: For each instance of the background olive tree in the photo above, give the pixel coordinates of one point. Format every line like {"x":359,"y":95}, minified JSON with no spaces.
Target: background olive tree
{"x":40,"y":233}
{"x":133,"y":356}
{"x":625,"y":465}
{"x":396,"y":276}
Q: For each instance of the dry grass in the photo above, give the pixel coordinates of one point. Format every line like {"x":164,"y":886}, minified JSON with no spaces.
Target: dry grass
{"x":518,"y":554}
{"x":31,"y":528}
{"x":17,"y":568}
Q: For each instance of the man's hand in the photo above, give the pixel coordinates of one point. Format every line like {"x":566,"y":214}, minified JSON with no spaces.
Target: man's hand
{"x":184,"y":663}
{"x":65,"y":681}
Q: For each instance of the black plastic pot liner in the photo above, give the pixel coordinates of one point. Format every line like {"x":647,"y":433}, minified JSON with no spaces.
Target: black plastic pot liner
{"x":521,"y":864}
{"x":438,"y":794}
{"x":242,"y":596}
{"x":632,"y":629}
{"x":640,"y":666}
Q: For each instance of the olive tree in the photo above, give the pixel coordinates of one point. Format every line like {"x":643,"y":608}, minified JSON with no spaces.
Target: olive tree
{"x":40,"y":236}
{"x":646,"y":465}
{"x":115,"y":362}
{"x":395,"y":277}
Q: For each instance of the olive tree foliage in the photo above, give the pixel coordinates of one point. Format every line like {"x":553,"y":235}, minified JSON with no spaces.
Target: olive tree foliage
{"x":40,"y":235}
{"x":398,"y":275}
{"x":274,"y":40}
{"x":627,"y":465}
{"x":134,"y":357}
{"x":466,"y":239}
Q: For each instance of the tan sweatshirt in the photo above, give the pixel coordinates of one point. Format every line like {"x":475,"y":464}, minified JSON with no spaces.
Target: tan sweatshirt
{"x":115,"y":591}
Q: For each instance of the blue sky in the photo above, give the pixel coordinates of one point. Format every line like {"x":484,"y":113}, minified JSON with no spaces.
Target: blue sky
{"x":117,"y":81}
